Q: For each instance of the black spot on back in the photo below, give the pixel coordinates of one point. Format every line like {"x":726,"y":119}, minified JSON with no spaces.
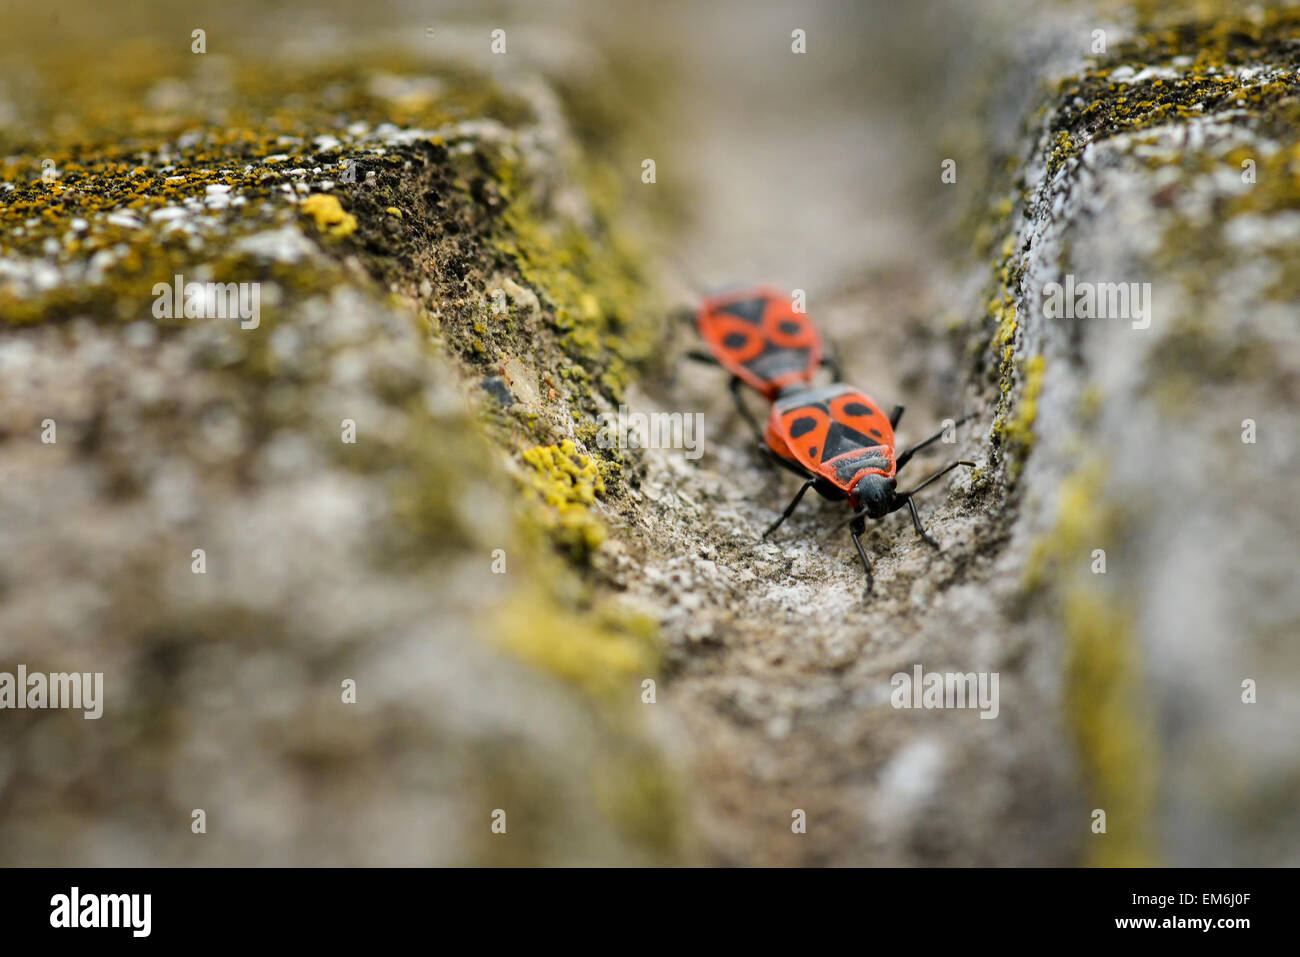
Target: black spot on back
{"x":802,"y":426}
{"x":843,"y":439}
{"x":789,"y":327}
{"x":857,"y":408}
{"x":735,"y":340}
{"x":751,"y":310}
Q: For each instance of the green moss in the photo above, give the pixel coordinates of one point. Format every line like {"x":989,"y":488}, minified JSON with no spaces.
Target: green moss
{"x":1196,"y":349}
{"x":91,"y":122}
{"x":1277,"y":172}
{"x":1063,"y":147}
{"x":1018,"y":433}
{"x":979,"y":480}
{"x":592,"y":281}
{"x":1013,"y":426}
{"x":1095,"y":106}
{"x":1154,"y":14}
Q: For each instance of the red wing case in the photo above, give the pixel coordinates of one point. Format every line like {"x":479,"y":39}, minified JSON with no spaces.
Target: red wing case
{"x":759,"y":338}
{"x":837,"y":433}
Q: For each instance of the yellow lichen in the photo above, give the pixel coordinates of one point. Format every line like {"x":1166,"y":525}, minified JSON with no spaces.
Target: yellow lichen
{"x":1083,"y":522}
{"x":329,"y":215}
{"x":1111,"y":730}
{"x":1020,"y":431}
{"x":607,"y":653}
{"x":642,"y":798}
{"x":594,"y":283}
{"x":1089,"y":406}
{"x":1094,"y":105}
{"x":1102,"y":693}
{"x":1014,"y":426}
{"x":568,"y":482}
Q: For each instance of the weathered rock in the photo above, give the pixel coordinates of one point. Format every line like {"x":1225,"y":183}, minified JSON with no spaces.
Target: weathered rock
{"x":243,"y":521}
{"x":1163,"y":435}
{"x":419,"y":230}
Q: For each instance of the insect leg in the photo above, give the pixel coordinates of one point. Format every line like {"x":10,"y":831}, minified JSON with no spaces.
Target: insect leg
{"x":696,"y":355}
{"x":916,"y":522}
{"x":833,"y":364}
{"x":856,"y":530}
{"x":745,"y":414}
{"x":789,"y":509}
{"x":895,"y":416}
{"x":906,"y":456}
{"x":773,"y":459}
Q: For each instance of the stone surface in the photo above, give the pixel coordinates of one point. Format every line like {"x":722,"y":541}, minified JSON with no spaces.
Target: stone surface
{"x":499,"y":584}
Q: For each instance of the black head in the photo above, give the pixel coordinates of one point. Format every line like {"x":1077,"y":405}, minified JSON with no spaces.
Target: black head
{"x":874,"y":494}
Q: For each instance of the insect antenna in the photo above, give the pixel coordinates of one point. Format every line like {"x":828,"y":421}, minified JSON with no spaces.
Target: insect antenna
{"x":687,"y":277}
{"x":937,"y":475}
{"x":906,"y":456}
